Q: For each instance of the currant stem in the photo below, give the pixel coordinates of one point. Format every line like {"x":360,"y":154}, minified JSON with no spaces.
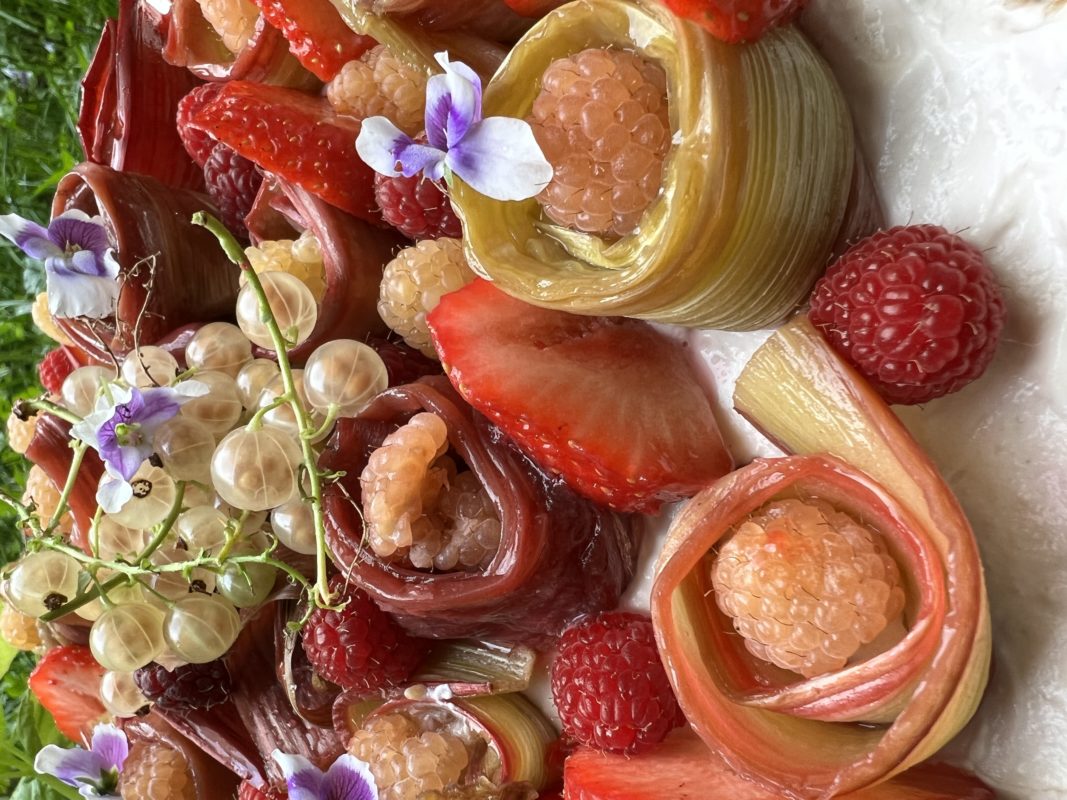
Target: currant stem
{"x":79,"y":447}
{"x":55,"y":410}
{"x":236,"y":254}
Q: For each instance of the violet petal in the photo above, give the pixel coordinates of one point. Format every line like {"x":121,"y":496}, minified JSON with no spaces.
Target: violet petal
{"x":453,"y":103}
{"x":501,"y":159}
{"x":77,"y":230}
{"x":111,"y":745}
{"x":348,"y":778}
{"x":73,"y":766}
{"x":71,"y":294}
{"x":302,"y":778}
{"x":378,"y":143}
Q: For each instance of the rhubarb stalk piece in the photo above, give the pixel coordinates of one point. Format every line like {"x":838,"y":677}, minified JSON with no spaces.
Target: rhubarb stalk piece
{"x":191,"y":42}
{"x":559,"y":556}
{"x":800,"y":736}
{"x":755,"y":188}
{"x":130,"y":97}
{"x":354,"y":254}
{"x":172,"y":272}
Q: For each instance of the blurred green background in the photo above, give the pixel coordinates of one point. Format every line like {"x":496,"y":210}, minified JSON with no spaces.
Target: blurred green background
{"x":45,"y":47}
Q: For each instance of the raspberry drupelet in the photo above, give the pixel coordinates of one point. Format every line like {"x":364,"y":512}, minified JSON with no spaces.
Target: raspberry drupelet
{"x":42,"y":492}
{"x":301,"y":257}
{"x":20,"y":432}
{"x":413,"y":284}
{"x":19,"y":630}
{"x":806,"y":585}
{"x":418,"y":509}
{"x":232,"y":182}
{"x":187,"y":687}
{"x":609,"y":685}
{"x":601,"y":120}
{"x":154,"y":771}
{"x":406,"y":760}
{"x":233,"y":20}
{"x":380,"y":84}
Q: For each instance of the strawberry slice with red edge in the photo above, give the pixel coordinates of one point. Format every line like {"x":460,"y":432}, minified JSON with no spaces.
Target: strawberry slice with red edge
{"x":610,"y":404}
{"x":317,"y":35}
{"x":54,"y":368}
{"x":682,"y":768}
{"x":288,"y":133}
{"x":736,"y":21}
{"x":66,"y":681}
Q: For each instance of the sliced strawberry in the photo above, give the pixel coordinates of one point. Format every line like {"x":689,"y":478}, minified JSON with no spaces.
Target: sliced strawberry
{"x":290,"y":134}
{"x":317,"y":35}
{"x":610,"y":404}
{"x":683,"y":768}
{"x":198,"y":143}
{"x":737,"y":20}
{"x":66,"y":681}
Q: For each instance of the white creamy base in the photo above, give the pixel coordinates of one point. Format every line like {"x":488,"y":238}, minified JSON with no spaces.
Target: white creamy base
{"x":961,"y":107}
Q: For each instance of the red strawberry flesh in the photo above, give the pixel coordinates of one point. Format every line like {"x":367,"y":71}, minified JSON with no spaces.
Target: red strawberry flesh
{"x":66,"y":681}
{"x":290,"y":134}
{"x":610,"y":404}
{"x":317,"y":35}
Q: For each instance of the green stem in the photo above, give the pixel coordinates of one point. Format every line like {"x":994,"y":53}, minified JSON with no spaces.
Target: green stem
{"x":236,"y":254}
{"x":331,"y":418}
{"x":79,"y":448}
{"x":166,"y":525}
{"x":55,"y":410}
{"x":256,"y":422}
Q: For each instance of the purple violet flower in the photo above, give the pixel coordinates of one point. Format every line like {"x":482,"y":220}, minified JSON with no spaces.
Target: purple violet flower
{"x":122,"y":430}
{"x":93,"y":772}
{"x":79,"y":264}
{"x":497,"y":156}
{"x":348,"y":778}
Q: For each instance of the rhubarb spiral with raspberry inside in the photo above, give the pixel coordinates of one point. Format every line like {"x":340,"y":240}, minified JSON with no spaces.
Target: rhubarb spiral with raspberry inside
{"x":558,"y":556}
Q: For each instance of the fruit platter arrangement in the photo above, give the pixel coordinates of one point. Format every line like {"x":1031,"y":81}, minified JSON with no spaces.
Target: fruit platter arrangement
{"x":371,"y":412}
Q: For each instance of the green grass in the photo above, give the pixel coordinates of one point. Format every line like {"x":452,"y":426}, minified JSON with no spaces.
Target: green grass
{"x":45,"y":48}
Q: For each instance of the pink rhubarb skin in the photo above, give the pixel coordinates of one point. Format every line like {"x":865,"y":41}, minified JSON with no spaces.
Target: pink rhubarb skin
{"x":788,"y":734}
{"x":172,"y":272}
{"x":682,"y":768}
{"x":130,"y":97}
{"x":354,"y":254}
{"x":560,"y":556}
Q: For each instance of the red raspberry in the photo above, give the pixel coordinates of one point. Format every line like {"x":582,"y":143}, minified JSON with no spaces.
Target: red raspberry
{"x":54,"y":369}
{"x":361,"y":646}
{"x":185,"y":688}
{"x":233,"y":183}
{"x":915,"y":309}
{"x":609,"y":684}
{"x":416,"y":207}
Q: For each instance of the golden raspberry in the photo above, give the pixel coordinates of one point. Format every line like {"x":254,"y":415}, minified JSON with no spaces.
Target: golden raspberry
{"x":301,"y":258}
{"x":806,"y":585}
{"x":467,"y":529}
{"x":233,"y":20}
{"x":601,"y":120}
{"x":43,"y":319}
{"x":380,"y":84}
{"x":19,"y":630}
{"x":45,"y":496}
{"x":20,"y":432}
{"x":406,"y":760}
{"x":413,"y":284}
{"x":154,"y":771}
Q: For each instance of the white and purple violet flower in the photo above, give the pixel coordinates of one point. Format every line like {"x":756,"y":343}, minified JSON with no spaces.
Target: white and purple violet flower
{"x":79,"y":264}
{"x":93,"y":772}
{"x":348,"y":778}
{"x":122,"y":429}
{"x":497,"y":156}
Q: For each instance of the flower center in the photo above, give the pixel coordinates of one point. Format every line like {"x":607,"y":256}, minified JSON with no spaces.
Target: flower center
{"x":128,"y":434}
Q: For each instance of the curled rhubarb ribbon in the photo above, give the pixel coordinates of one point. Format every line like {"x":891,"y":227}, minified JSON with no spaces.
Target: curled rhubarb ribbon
{"x":857,"y":727}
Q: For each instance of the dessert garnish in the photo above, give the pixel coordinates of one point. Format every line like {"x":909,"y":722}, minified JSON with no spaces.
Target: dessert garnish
{"x":496,"y":156}
{"x":915,"y":309}
{"x":347,"y":778}
{"x":184,"y":687}
{"x":609,"y":685}
{"x":560,"y":386}
{"x":93,"y":771}
{"x":66,"y":681}
{"x":418,"y":208}
{"x":79,"y":261}
{"x":754,"y":190}
{"x":737,"y":21}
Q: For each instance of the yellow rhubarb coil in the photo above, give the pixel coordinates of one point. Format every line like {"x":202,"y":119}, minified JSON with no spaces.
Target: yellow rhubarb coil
{"x":755,"y":188}
{"x":885,"y":710}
